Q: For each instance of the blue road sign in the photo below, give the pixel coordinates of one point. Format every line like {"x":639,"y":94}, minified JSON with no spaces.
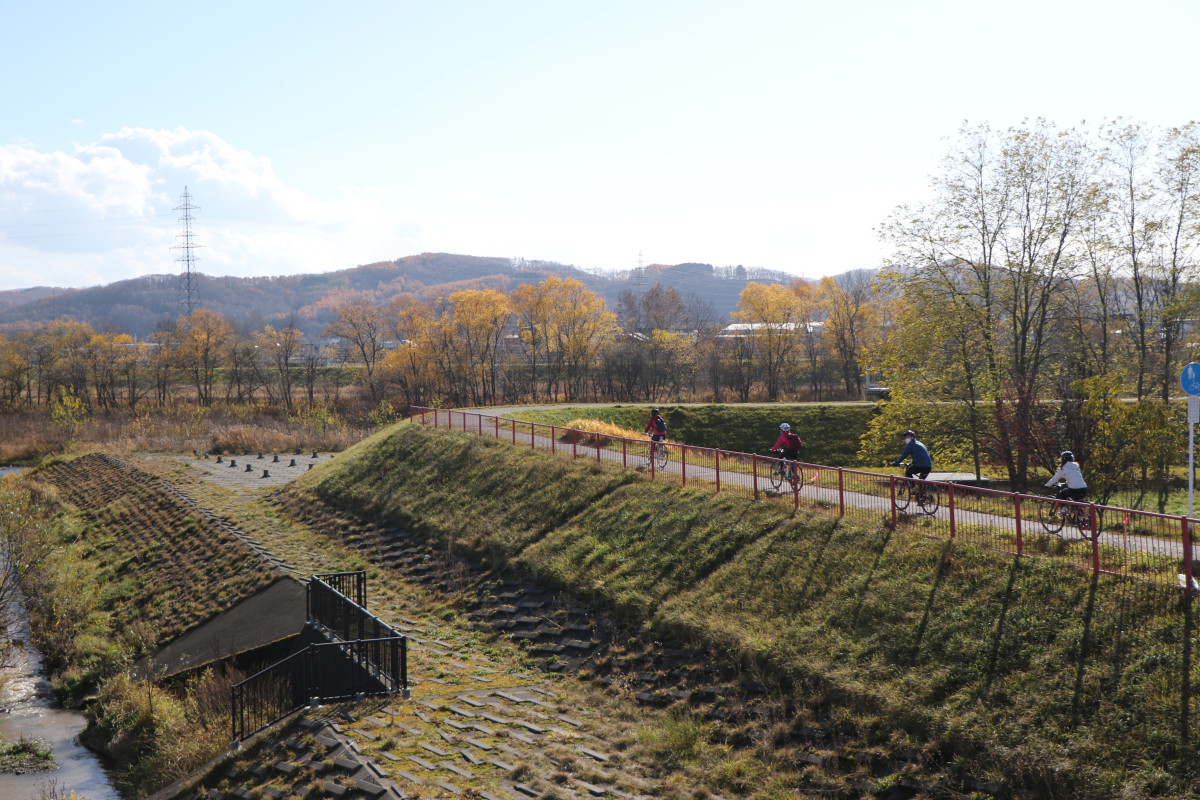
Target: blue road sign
{"x":1189,"y":379}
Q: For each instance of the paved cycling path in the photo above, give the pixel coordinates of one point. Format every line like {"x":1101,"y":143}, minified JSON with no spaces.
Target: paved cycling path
{"x":830,"y":497}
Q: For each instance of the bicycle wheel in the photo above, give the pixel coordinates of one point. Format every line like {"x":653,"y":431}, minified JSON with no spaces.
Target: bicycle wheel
{"x":1048,"y":513}
{"x":904,"y":496}
{"x":797,"y":476}
{"x":660,"y":452}
{"x":929,"y":500}
{"x":1082,"y":520}
{"x":776,"y":475}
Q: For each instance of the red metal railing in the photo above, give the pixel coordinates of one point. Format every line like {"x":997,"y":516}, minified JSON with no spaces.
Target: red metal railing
{"x":1108,"y":540}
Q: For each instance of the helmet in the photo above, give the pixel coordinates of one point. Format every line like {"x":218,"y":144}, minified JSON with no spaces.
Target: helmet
{"x":783,"y":426}
{"x":909,"y":433}
{"x":1067,"y":455}
{"x":654,"y":411}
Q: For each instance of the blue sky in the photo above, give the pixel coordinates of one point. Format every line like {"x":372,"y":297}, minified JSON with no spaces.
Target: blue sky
{"x":316,"y":137}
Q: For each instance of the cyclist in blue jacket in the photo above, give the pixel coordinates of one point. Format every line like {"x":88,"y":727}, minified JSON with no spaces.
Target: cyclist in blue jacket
{"x":921,"y":462}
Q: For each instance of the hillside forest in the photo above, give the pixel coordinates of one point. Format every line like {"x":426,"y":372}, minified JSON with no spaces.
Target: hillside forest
{"x":1043,"y":297}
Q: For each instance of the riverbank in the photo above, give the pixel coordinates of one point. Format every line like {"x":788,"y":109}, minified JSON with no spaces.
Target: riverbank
{"x":28,"y":710}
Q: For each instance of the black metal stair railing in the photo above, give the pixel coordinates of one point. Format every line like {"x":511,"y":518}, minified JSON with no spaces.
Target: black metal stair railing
{"x":366,"y":657}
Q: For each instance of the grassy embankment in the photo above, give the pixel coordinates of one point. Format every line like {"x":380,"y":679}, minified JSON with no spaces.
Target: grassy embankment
{"x":1021,"y":670}
{"x":830,"y":432}
{"x":129,"y":568}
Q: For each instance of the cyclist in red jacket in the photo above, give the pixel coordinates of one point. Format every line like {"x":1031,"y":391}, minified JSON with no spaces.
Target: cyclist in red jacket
{"x":789,"y":443}
{"x":656,"y":427}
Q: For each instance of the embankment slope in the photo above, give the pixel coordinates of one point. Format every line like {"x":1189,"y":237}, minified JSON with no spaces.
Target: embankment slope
{"x":1021,"y":670}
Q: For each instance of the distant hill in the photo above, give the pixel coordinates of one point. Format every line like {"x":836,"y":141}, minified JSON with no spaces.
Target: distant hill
{"x":136,"y":306}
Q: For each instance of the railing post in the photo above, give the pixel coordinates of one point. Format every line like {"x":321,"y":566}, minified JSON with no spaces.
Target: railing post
{"x":597,"y":448}
{"x":553,"y":439}
{"x":1189,"y":583}
{"x":435,"y":419}
{"x":624,"y":453}
{"x":234,"y":691}
{"x":683,"y":462}
{"x":574,"y":444}
{"x":422,"y":417}
{"x":496,"y":421}
{"x":652,"y":459}
{"x":313,"y":682}
{"x":717,"y":457}
{"x":754,"y":472}
{"x":795,"y":489}
{"x":841,"y":495}
{"x":532,"y":431}
{"x":950,"y":491}
{"x":1020,"y":540}
{"x":514,"y":432}
{"x":895,"y":518}
{"x":404,"y":665}
{"x":1092,"y":521}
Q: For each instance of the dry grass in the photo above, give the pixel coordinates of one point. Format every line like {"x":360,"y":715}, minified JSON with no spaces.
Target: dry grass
{"x":600,"y":430}
{"x":27,"y":437}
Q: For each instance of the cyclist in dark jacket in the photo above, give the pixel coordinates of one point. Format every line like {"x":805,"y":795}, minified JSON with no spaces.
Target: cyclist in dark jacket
{"x":921,"y":462}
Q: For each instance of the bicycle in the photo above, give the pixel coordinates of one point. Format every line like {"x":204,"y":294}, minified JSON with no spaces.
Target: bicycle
{"x":922,"y":492}
{"x":1056,"y":514}
{"x":657,"y":454}
{"x":786,"y":471}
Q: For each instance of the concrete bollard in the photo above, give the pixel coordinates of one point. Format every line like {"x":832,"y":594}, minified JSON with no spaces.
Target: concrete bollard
{"x":310,"y":466}
{"x":293,"y":463}
{"x":220,"y":460}
{"x":260,"y":455}
{"x":266,"y":473}
{"x":314,"y":453}
{"x":232,"y":462}
{"x":275,"y":459}
{"x":249,"y":468}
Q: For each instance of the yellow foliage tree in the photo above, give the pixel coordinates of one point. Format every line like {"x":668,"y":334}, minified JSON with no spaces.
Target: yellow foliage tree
{"x":774,"y":314}
{"x":204,"y":338}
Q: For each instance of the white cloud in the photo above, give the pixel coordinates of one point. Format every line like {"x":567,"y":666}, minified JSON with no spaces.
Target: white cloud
{"x":106,"y":212}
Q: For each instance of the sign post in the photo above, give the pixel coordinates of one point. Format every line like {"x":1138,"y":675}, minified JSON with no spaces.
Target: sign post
{"x":1189,"y":379}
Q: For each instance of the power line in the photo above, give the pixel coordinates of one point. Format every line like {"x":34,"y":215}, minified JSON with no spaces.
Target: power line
{"x":105,"y":221}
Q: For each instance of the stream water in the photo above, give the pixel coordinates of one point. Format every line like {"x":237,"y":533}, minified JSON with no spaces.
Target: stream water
{"x":28,"y":709}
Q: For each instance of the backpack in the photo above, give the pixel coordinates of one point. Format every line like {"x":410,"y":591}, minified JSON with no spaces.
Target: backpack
{"x":660,"y":425}
{"x":793,"y":441}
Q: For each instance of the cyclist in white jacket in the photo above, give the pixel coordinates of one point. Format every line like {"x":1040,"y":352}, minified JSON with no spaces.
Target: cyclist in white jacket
{"x":1076,"y":488}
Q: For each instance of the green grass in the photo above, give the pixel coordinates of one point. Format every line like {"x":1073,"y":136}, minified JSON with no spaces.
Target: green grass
{"x":26,"y":755}
{"x":1025,"y":670}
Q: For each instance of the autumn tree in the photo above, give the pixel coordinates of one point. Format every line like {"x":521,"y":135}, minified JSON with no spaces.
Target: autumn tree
{"x":772,"y":313}
{"x":204,"y":339}
{"x":580,"y":324}
{"x":279,"y":349}
{"x":471,"y":331}
{"x":361,"y":325}
{"x":563,"y":326}
{"x":531,"y":310}
{"x":998,"y":245}
{"x":14,"y":372}
{"x":411,"y":365}
{"x":851,"y":323}
{"x":109,"y":357}
{"x":64,"y":358}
